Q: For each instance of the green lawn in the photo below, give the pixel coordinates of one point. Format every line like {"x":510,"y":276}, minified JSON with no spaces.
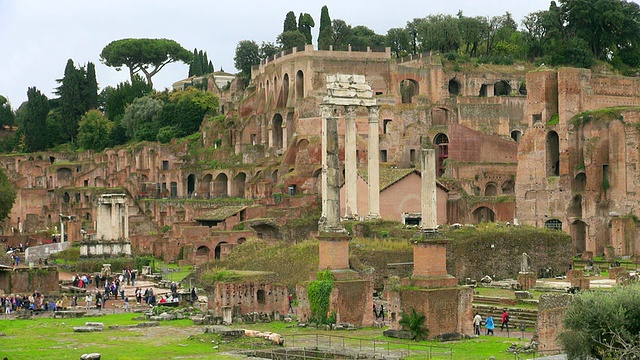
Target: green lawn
{"x":54,"y":339}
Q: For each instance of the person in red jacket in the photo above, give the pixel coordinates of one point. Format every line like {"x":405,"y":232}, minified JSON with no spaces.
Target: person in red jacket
{"x":505,"y":320}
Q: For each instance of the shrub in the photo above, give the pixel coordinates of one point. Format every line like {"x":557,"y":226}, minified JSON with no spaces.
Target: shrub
{"x":414,"y":322}
{"x":319,"y":293}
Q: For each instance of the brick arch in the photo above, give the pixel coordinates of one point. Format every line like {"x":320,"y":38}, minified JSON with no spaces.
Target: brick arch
{"x":483,"y":213}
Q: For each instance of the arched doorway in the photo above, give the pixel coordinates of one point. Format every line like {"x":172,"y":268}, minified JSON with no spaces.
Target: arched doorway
{"x":575,"y":207}
{"x":516,"y":135}
{"x":491,"y":190}
{"x":553,"y":154}
{"x":238,"y":185}
{"x":191,"y":184}
{"x":285,"y":91}
{"x":202,"y":254}
{"x":483,"y":214}
{"x":454,"y":87}
{"x":276,"y":129}
{"x":441,"y":141}
{"x":205,"y":186}
{"x":579,"y":236}
{"x":300,"y":84}
{"x":218,"y":250}
{"x":502,"y":88}
{"x":220,"y":185}
{"x":408,"y":89}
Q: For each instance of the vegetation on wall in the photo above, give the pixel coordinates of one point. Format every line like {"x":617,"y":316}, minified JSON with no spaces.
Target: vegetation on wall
{"x":414,"y":322}
{"x":319,"y":294}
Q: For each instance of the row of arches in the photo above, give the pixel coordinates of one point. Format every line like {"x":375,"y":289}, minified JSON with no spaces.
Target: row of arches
{"x":410,"y":88}
{"x":281,"y":94}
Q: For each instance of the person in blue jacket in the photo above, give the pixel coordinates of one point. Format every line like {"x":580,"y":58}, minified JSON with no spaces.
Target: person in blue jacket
{"x":488,"y":323}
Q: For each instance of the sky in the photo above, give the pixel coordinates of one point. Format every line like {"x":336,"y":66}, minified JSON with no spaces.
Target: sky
{"x":39,"y":36}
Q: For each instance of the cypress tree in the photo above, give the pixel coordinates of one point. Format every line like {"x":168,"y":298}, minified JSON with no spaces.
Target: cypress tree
{"x":325,"y":32}
{"x":72,"y":102}
{"x":34,"y":123}
{"x":205,"y":64}
{"x":90,"y":91}
{"x":210,"y":68}
{"x":290,"y":22}
{"x":195,"y":55}
{"x":305,"y":23}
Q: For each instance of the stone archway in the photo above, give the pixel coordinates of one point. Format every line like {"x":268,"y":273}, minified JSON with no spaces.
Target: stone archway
{"x":218,"y":250}
{"x":408,"y":89}
{"x":579,"y":236}
{"x":276,"y":131}
{"x":202,"y":254}
{"x":220,"y":185}
{"x":483,"y":214}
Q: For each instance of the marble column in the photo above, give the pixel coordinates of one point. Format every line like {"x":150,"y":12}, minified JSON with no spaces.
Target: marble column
{"x":330,"y":220}
{"x":373,"y":163}
{"x":429,"y":202}
{"x":350,"y":164}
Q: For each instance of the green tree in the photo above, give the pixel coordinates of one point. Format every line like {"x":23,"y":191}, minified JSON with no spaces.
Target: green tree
{"x":7,"y":116}
{"x":414,"y":322}
{"x":7,"y":195}
{"x":325,"y":31}
{"x":291,"y":39}
{"x":185,"y":110}
{"x":603,"y":324}
{"x":305,"y":23}
{"x":399,"y":41}
{"x":439,"y":33}
{"x":142,"y":118}
{"x":90,"y":89}
{"x":471,"y":30}
{"x":247,"y":54}
{"x":342,"y":33}
{"x":290,"y":22}
{"x":34,"y":121}
{"x":571,"y":51}
{"x":148,"y":56}
{"x":115,"y":100}
{"x":267,"y":50}
{"x":94,"y":130}
{"x":362,"y":37}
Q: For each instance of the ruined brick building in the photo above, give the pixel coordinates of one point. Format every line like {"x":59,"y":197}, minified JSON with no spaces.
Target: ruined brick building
{"x":183,"y":204}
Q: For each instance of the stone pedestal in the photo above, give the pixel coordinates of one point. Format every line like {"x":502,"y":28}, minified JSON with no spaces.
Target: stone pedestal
{"x":430,"y":264}
{"x":527,"y":280}
{"x":333,"y":251}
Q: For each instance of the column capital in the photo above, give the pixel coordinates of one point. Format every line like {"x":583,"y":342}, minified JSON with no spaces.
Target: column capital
{"x":374,"y":113}
{"x":350,"y":110}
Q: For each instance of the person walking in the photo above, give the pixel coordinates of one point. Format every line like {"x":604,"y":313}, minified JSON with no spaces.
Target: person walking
{"x":505,"y":320}
{"x":477,"y":320}
{"x":489,"y":325}
{"x":87,"y":301}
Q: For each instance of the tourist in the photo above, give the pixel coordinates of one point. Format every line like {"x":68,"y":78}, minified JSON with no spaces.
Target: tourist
{"x":194,"y":296}
{"x":489,"y":325}
{"x":477,"y":320}
{"x":99,"y":300}
{"x":122,"y":291}
{"x":133,"y":278}
{"x":505,"y":320}
{"x":138,"y":295}
{"x":290,"y":303}
{"x":126,"y":304}
{"x":87,"y":300}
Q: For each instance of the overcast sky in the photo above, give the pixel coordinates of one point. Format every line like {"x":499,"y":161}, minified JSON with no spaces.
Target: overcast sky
{"x":39,"y":36}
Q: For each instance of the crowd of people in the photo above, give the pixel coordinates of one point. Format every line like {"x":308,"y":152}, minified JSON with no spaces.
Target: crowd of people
{"x":35,"y":302}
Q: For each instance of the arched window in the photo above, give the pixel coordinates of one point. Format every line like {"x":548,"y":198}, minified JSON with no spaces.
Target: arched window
{"x":220,"y":185}
{"x":285,"y":90}
{"x":238,"y":185}
{"x":191,"y":184}
{"x":580,"y":182}
{"x":218,"y":250}
{"x":553,"y":154}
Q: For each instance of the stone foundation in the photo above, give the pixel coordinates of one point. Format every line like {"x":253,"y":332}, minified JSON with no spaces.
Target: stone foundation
{"x":526,"y":281}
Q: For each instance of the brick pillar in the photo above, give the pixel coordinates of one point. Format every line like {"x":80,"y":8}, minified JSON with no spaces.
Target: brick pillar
{"x":373,"y":163}
{"x":333,"y":252}
{"x":350,"y":164}
{"x":430,"y":264}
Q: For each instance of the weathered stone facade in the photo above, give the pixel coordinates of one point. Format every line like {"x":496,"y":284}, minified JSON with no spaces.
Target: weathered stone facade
{"x":578,"y":171}
{"x":272,"y":137}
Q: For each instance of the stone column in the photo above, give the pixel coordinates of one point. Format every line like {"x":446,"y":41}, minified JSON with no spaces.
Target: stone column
{"x":350,"y":164}
{"x":373,"y":163}
{"x":126,"y":221}
{"x":429,"y":202}
{"x":330,"y":220}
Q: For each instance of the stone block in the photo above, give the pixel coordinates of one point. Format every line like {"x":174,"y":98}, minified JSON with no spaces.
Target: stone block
{"x":398,"y":334}
{"x":92,"y":356}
